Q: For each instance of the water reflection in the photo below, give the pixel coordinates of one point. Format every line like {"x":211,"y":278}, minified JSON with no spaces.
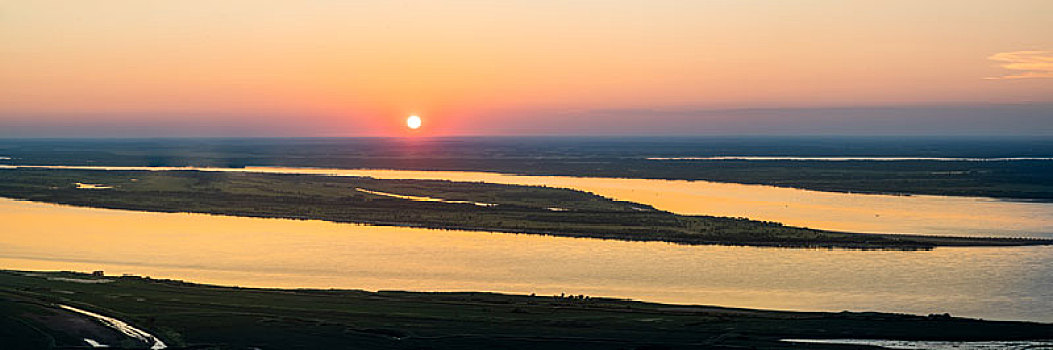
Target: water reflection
{"x":994,"y":283}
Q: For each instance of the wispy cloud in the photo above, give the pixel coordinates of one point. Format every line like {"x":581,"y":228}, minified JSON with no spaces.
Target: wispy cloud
{"x":1024,"y":64}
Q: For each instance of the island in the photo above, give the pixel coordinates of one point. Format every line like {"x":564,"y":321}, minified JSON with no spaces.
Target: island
{"x":433,"y":204}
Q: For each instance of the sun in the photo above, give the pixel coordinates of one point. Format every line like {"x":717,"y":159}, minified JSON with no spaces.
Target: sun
{"x":413,"y":122}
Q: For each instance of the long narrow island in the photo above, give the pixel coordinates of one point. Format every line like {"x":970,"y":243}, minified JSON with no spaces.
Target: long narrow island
{"x":432,"y":204}
{"x":41,"y":310}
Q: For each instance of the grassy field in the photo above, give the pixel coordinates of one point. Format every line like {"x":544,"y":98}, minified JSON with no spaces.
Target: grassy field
{"x":520,"y":209}
{"x":195,"y":316}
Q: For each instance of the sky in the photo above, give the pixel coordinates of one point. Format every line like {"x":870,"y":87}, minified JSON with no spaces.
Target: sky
{"x":142,"y":68}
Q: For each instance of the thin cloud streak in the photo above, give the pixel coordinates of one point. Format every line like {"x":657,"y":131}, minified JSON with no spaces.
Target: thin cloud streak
{"x":1024,"y":64}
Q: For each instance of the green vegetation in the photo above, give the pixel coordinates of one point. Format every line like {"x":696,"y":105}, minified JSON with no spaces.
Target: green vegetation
{"x":519,"y":209}
{"x":196,"y":316}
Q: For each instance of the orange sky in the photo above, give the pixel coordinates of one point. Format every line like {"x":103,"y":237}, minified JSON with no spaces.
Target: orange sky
{"x":346,"y":68}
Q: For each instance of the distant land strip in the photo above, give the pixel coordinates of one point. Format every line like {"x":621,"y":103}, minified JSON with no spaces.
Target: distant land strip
{"x":851,"y":159}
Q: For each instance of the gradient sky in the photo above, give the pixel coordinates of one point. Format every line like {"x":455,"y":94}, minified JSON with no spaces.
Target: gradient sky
{"x":358,"y":68}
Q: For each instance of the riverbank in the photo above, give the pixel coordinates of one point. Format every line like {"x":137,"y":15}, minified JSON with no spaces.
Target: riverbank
{"x":201,"y":316}
{"x":451,"y":205}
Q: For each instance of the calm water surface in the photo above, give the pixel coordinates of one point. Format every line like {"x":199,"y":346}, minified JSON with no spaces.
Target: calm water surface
{"x":993,"y":283}
{"x":932,"y":215}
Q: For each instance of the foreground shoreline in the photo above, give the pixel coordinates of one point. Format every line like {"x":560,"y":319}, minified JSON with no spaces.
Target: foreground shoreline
{"x":188,"y":315}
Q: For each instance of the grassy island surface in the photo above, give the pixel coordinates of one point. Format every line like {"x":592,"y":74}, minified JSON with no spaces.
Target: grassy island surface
{"x":431,"y":204}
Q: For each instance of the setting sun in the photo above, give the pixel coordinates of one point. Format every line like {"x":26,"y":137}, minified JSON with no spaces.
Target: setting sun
{"x":413,"y":122}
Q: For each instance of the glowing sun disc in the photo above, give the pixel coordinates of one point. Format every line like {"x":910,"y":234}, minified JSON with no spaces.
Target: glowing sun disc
{"x":413,"y":122}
